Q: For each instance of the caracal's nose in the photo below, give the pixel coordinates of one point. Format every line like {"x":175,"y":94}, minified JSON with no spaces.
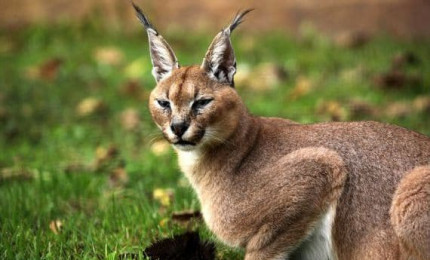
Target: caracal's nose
{"x":179,"y":128}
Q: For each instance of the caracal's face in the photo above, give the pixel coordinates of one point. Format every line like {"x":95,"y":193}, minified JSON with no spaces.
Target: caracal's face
{"x":195,"y":107}
{"x":192,"y":110}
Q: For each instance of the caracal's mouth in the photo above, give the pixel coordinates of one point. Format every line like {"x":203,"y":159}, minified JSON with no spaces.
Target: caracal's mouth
{"x":187,"y":145}
{"x":184,"y":143}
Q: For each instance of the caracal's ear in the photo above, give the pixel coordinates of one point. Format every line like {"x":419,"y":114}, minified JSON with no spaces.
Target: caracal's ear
{"x":220,"y":62}
{"x":162,"y":56}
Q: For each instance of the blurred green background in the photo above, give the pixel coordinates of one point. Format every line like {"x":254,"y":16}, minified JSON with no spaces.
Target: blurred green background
{"x":84,"y":173}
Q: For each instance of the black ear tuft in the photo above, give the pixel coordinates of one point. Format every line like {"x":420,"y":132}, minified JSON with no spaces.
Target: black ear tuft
{"x":142,"y":18}
{"x":238,"y":19}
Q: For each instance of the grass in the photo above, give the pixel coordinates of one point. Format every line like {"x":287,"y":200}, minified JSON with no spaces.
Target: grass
{"x":55,"y":165}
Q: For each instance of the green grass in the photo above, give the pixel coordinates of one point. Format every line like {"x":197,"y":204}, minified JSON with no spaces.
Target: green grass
{"x":48,"y":151}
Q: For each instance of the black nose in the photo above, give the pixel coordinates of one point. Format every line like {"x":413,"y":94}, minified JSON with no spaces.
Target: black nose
{"x":179,"y":128}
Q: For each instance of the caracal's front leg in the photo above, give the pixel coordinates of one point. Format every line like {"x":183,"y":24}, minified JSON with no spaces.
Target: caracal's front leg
{"x":313,"y":180}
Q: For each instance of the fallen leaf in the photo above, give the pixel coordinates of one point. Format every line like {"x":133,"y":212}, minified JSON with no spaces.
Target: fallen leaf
{"x":351,"y":39}
{"x":16,"y":173}
{"x":186,"y":215}
{"x":131,"y":88}
{"x":130,"y":119}
{"x":359,"y":109}
{"x":108,"y":55}
{"x":164,"y":196}
{"x":398,"y":110}
{"x":266,"y":76}
{"x":90,"y":106}
{"x":333,"y":109}
{"x":104,"y":155}
{"x":118,"y":177}
{"x":302,"y":87}
{"x":160,"y":147}
{"x":422,"y":104}
{"x":55,"y":226}
{"x":47,"y":71}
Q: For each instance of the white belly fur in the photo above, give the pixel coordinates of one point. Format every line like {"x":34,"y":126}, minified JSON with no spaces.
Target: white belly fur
{"x":319,"y":244}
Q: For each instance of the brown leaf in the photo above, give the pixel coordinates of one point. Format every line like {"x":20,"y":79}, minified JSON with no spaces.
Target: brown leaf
{"x":130,"y":119}
{"x":55,"y":226}
{"x":109,"y":55}
{"x":359,"y":109}
{"x":15,"y":173}
{"x":49,"y":70}
{"x":90,"y":106}
{"x":351,"y":39}
{"x":333,"y":109}
{"x":422,"y":104}
{"x":266,"y":76}
{"x":302,"y":87}
{"x":398,"y":110}
{"x":131,"y":88}
{"x":104,"y":155}
{"x":186,"y":216}
{"x":118,"y":177}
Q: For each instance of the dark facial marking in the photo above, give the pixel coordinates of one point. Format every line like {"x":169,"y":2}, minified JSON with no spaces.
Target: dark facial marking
{"x":181,"y":82}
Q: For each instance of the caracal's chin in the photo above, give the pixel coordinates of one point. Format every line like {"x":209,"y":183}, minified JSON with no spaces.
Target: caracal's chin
{"x":185,"y":147}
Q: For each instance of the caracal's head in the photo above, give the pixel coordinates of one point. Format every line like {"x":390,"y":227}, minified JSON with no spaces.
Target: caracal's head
{"x":194,"y":106}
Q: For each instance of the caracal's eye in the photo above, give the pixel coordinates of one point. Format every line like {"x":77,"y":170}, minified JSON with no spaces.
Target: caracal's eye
{"x":201,"y":103}
{"x":164,"y":103}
